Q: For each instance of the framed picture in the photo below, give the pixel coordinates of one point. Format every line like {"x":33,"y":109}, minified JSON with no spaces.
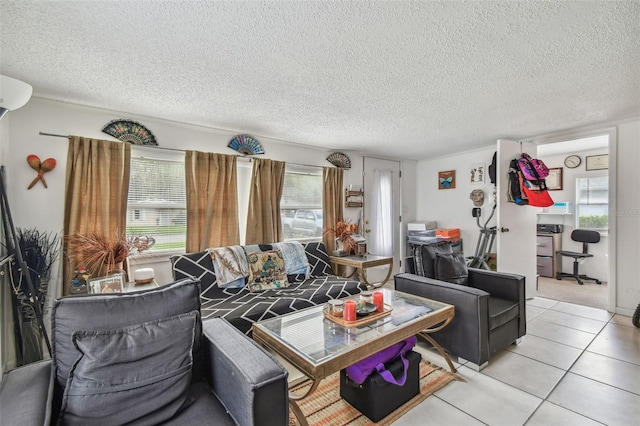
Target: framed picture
{"x":597,"y":162}
{"x":109,"y":284}
{"x":477,"y":173}
{"x":447,"y":179}
{"x":554,"y":180}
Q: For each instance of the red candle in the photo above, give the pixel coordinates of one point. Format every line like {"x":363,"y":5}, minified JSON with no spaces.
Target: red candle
{"x":378,"y":300}
{"x":350,"y":310}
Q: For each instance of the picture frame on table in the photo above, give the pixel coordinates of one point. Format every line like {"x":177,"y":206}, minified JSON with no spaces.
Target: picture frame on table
{"x":554,"y":179}
{"x":109,"y":284}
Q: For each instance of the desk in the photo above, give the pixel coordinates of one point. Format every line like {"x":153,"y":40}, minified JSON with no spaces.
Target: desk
{"x":361,"y":263}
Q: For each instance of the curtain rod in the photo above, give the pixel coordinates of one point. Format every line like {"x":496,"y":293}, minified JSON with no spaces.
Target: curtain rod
{"x":173,"y":149}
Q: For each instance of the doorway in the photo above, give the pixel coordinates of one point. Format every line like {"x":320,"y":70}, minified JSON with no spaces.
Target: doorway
{"x":583,"y":193}
{"x":381,"y":185}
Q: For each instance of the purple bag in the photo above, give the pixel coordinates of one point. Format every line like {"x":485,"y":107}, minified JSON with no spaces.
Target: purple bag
{"x":359,"y":371}
{"x":532,"y":168}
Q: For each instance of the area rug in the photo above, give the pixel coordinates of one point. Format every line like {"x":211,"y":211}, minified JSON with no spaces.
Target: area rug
{"x":325,"y":407}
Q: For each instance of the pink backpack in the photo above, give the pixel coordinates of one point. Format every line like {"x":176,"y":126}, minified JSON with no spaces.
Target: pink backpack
{"x":532,"y":168}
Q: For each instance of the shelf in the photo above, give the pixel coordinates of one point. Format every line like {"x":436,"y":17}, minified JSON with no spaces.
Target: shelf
{"x":353,"y":198}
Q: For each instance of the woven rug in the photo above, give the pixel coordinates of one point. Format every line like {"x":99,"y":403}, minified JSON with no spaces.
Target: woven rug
{"x":325,"y":407}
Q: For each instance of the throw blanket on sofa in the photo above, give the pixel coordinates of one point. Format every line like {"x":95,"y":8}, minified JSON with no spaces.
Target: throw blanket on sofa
{"x":295,"y":258}
{"x":243,"y":308}
{"x":230,"y":265}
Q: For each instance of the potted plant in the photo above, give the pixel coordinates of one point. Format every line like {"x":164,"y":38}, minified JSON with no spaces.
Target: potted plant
{"x":344,"y":233}
{"x":101,"y":255}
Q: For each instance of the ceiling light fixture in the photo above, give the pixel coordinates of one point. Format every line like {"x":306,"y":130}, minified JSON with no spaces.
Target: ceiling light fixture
{"x":13,"y":94}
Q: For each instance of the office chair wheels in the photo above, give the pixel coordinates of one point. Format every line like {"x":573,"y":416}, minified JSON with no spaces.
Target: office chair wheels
{"x":598,"y":282}
{"x":635,"y":320}
{"x":580,"y":282}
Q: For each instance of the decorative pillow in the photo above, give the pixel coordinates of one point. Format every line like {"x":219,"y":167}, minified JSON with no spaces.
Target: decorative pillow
{"x":424,"y":256}
{"x":266,"y":270}
{"x":452,"y":268}
{"x":137,"y":374}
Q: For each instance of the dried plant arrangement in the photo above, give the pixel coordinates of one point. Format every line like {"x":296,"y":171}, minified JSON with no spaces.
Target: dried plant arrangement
{"x":98,"y":253}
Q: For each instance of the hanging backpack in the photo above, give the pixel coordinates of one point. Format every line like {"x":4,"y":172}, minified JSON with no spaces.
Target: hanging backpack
{"x":515,"y":193}
{"x":532,"y":168}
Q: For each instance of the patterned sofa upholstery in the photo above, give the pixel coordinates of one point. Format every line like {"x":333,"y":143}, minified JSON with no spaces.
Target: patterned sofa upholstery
{"x":242,"y":308}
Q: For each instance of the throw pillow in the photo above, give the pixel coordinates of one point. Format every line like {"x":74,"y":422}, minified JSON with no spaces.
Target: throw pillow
{"x":425,"y":255}
{"x":267,"y":271}
{"x":139,"y":374}
{"x":452,"y":268}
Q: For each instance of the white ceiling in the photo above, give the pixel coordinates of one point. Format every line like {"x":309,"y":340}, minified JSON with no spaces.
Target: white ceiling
{"x":398,"y":79}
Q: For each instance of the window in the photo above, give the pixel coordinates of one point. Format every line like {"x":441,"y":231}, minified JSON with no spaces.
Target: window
{"x":301,"y":204}
{"x":157,"y":205}
{"x":592,"y":203}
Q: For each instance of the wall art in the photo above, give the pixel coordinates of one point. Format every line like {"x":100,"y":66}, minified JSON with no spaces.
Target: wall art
{"x":554,"y":180}
{"x":477,"y":173}
{"x":447,"y":179}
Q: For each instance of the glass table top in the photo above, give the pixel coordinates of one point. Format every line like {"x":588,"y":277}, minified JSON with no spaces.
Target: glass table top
{"x":316,"y":338}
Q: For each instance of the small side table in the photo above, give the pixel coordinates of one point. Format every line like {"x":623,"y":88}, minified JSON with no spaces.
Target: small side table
{"x":361,"y":263}
{"x":132,"y":286}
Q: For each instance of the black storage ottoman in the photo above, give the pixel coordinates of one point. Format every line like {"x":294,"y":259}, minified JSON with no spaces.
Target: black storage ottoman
{"x":377,"y":398}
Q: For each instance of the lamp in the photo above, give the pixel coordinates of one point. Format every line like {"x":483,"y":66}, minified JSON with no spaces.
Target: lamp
{"x":13,"y":94}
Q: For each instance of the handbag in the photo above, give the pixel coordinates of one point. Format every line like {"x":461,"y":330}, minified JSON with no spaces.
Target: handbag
{"x":359,"y":371}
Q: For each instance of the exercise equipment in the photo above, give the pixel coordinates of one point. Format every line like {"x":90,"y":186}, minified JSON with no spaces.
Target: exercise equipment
{"x":485,"y":242}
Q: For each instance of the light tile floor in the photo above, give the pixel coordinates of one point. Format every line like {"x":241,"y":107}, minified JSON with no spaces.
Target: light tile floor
{"x":576,"y":366}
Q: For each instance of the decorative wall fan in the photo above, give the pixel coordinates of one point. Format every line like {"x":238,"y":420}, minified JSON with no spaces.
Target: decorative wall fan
{"x":245,"y":144}
{"x":339,"y":159}
{"x":130,"y":131}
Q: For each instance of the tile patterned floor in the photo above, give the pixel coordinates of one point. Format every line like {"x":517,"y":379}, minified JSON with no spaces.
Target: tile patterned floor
{"x":577,"y":365}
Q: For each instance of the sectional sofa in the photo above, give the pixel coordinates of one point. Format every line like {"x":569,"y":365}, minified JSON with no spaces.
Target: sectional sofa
{"x":242,"y":308}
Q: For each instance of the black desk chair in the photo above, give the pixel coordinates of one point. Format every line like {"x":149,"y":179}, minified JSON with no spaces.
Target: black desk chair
{"x":585,"y":237}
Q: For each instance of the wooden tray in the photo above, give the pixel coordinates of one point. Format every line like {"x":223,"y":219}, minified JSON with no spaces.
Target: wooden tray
{"x":358,"y":322}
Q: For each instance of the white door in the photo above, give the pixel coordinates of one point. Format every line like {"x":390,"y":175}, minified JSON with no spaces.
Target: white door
{"x":387,"y":171}
{"x":516,"y":236}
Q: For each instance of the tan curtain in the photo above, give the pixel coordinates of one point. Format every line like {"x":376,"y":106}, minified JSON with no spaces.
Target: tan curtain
{"x":212,"y":200}
{"x":331,"y":204}
{"x":264,"y":224}
{"x":96,"y":190}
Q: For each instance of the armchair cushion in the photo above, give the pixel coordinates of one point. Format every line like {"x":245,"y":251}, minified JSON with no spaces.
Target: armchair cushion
{"x":425,"y":255}
{"x":451,"y":267}
{"x":137,"y":374}
{"x":501,"y":311}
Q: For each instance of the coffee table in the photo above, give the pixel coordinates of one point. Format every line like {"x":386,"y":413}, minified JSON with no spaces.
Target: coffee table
{"x":361,"y":263}
{"x":319,"y":347}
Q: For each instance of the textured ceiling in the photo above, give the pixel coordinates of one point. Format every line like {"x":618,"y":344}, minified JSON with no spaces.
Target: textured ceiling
{"x":397,"y":79}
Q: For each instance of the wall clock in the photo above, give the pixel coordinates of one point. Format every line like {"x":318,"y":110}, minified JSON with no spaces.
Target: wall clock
{"x":572,"y":161}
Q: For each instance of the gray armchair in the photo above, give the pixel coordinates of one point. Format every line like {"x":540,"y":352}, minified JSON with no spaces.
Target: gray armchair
{"x":489,"y":311}
{"x":146,"y":358}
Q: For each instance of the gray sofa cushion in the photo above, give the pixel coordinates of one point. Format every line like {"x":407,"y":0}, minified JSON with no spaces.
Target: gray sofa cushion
{"x":114,"y":311}
{"x":137,"y":374}
{"x":501,"y":311}
{"x":452,"y":268}
{"x":425,"y":255}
